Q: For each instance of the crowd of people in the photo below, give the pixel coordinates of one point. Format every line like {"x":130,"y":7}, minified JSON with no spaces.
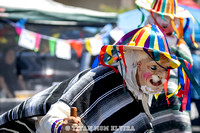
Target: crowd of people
{"x":142,"y":84}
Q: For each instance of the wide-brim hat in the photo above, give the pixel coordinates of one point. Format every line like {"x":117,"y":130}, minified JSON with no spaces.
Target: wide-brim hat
{"x":149,"y":39}
{"x":164,"y":7}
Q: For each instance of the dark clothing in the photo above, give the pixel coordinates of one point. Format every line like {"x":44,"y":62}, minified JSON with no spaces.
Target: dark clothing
{"x":99,"y":97}
{"x":102,"y":102}
{"x":10,"y":74}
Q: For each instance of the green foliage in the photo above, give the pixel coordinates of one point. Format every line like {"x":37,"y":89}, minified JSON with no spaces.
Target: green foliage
{"x":106,"y":8}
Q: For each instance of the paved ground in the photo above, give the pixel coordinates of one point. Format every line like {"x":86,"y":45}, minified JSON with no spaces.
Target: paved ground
{"x":195,"y":119}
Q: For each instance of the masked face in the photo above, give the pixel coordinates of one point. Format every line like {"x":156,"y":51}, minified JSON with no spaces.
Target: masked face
{"x":167,"y":29}
{"x":150,"y":74}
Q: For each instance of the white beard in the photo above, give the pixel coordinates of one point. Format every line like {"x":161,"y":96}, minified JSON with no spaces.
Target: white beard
{"x":172,"y":41}
{"x":148,"y":90}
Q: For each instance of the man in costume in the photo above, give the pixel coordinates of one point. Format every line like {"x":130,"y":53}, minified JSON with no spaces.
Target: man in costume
{"x":167,"y":15}
{"x":120,"y":94}
{"x":113,"y":97}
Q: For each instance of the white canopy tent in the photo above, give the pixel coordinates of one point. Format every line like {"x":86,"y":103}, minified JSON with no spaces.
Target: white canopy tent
{"x":47,"y":11}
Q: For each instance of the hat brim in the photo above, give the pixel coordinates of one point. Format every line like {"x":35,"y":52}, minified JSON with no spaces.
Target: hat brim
{"x":180,"y":12}
{"x":173,"y":62}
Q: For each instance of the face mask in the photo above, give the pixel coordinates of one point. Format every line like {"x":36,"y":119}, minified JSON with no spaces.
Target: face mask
{"x":171,"y":41}
{"x":148,"y":90}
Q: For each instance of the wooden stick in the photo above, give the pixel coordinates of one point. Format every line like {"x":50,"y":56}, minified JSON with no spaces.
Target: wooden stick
{"x":73,"y":111}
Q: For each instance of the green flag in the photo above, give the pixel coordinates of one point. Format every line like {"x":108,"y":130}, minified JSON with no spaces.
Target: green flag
{"x":52,"y":46}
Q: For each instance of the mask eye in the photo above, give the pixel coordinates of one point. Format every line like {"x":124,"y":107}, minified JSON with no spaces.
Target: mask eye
{"x":164,"y":26}
{"x":154,"y":67}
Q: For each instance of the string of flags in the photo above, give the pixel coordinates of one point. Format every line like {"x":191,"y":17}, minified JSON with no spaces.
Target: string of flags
{"x":61,"y":48}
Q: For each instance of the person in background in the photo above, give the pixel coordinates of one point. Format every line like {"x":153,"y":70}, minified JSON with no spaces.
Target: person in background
{"x":10,"y":76}
{"x":167,"y":15}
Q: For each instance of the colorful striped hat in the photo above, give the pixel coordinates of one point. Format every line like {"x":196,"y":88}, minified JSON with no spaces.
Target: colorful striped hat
{"x":148,"y":38}
{"x":164,"y":7}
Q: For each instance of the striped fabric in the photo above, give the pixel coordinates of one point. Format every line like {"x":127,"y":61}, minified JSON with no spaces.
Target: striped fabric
{"x":100,"y":102}
{"x":19,"y":126}
{"x":165,"y":6}
{"x":21,"y":118}
{"x":169,"y":118}
{"x":57,"y":126}
{"x":148,"y":38}
{"x":103,"y":103}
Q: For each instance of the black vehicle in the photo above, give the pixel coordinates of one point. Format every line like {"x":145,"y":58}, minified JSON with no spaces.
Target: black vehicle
{"x":43,"y":69}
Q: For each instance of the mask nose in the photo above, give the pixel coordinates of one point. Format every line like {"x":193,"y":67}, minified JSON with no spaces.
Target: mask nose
{"x":155,"y":78}
{"x":160,"y":74}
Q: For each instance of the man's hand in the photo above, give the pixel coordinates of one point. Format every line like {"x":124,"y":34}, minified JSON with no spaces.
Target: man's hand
{"x":71,"y":124}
